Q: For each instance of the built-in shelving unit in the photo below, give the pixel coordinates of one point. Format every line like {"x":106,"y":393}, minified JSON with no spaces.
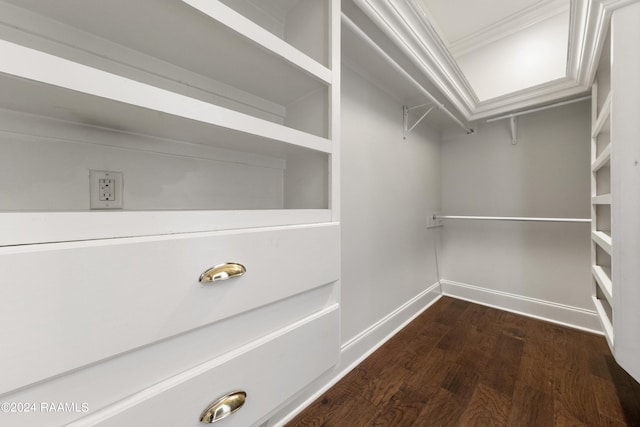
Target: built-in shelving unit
{"x":149,"y":151}
{"x":601,"y":199}
{"x":238,"y":82}
{"x":615,"y":189}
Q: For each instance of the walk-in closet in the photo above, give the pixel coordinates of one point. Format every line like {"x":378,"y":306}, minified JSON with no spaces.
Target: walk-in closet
{"x":259,"y":213}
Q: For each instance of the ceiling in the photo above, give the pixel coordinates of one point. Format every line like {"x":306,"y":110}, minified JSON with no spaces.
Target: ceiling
{"x":454,"y":26}
{"x":502,"y":48}
{"x":442,"y":37}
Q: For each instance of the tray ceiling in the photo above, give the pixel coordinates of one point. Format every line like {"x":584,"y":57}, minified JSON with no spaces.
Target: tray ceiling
{"x":443,"y":37}
{"x":456,"y":20}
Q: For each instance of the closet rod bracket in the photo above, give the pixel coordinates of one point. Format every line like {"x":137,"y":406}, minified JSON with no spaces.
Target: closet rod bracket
{"x":514,"y":130}
{"x":405,"y":118}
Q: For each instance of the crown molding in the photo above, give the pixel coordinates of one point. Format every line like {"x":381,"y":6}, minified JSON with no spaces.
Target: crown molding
{"x":545,"y":93}
{"x":426,"y":15}
{"x":404,"y":22}
{"x":510,"y":25}
{"x":423,"y":47}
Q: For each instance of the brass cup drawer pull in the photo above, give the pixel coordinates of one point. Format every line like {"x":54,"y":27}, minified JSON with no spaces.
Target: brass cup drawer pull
{"x":223,"y":407}
{"x":223,"y":272}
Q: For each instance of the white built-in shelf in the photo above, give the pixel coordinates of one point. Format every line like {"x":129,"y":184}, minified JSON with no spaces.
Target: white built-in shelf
{"x":260,"y":36}
{"x":603,"y":239}
{"x":187,"y":79}
{"x":220,"y":52}
{"x":603,"y":199}
{"x":605,"y":321}
{"x":43,"y":84}
{"x":603,"y":277}
{"x":25,"y":228}
{"x":603,"y":120}
{"x":603,"y":159}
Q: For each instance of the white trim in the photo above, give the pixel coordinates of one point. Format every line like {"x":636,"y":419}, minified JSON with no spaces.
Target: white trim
{"x":406,"y":28}
{"x":561,"y":314}
{"x":511,"y":24}
{"x":358,"y":348}
{"x":433,"y":59}
{"x":369,"y":335}
{"x":18,"y":229}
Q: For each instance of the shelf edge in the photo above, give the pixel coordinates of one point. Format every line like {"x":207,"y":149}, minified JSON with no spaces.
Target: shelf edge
{"x":604,"y":115}
{"x":603,"y":240}
{"x":32,"y":228}
{"x":37,"y":66}
{"x":607,"y":326}
{"x":249,"y":29}
{"x":603,"y":199}
{"x":604,"y":281}
{"x":602,"y":159}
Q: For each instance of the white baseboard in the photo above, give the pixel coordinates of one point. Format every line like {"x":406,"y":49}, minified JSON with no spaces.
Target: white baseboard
{"x":357,"y":349}
{"x":572,"y":317}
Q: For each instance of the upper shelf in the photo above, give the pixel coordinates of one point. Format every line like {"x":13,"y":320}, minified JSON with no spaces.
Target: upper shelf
{"x":170,"y":44}
{"x":43,"y":84}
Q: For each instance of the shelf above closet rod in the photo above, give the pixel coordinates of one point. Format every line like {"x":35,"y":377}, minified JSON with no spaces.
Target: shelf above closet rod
{"x":512,"y":218}
{"x":513,"y":125}
{"x":545,"y":107}
{"x":364,"y":37}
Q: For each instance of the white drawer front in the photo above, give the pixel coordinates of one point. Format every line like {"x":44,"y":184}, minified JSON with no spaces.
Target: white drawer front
{"x":72,"y":304}
{"x":270,"y":371}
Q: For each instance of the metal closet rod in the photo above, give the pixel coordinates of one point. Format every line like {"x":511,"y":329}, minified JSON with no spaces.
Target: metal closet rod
{"x":512,"y":218}
{"x":353,"y":27}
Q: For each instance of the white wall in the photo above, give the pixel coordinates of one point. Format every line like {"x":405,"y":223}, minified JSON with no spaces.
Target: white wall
{"x":388,"y":188}
{"x":389,"y":185}
{"x":158,"y":174}
{"x":545,"y":175}
{"x":527,"y":58}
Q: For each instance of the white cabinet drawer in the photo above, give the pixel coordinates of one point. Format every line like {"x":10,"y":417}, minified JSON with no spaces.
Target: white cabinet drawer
{"x":270,"y":371}
{"x":76,"y":303}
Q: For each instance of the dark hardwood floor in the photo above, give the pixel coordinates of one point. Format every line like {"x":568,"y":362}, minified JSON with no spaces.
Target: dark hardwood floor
{"x":462,"y":364}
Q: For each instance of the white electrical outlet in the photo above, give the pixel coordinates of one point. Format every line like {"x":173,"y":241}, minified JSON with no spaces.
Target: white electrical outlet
{"x":433,"y":221}
{"x":106,"y":189}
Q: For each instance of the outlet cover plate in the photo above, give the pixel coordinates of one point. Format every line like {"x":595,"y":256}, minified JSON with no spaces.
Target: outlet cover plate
{"x":117,"y":178}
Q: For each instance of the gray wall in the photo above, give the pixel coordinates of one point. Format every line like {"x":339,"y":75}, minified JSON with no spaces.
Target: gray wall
{"x":389,"y":185}
{"x":545,"y":175}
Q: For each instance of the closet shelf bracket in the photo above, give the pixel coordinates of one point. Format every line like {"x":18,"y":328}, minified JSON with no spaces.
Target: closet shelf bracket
{"x":514,"y":130}
{"x":512,"y":117}
{"x":405,"y":116}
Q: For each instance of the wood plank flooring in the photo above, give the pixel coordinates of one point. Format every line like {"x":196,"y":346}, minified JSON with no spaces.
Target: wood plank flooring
{"x":462,"y":364}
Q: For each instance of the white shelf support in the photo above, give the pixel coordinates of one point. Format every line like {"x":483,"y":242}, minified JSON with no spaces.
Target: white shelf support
{"x":405,"y":116}
{"x":514,"y":130}
{"x":512,"y":117}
